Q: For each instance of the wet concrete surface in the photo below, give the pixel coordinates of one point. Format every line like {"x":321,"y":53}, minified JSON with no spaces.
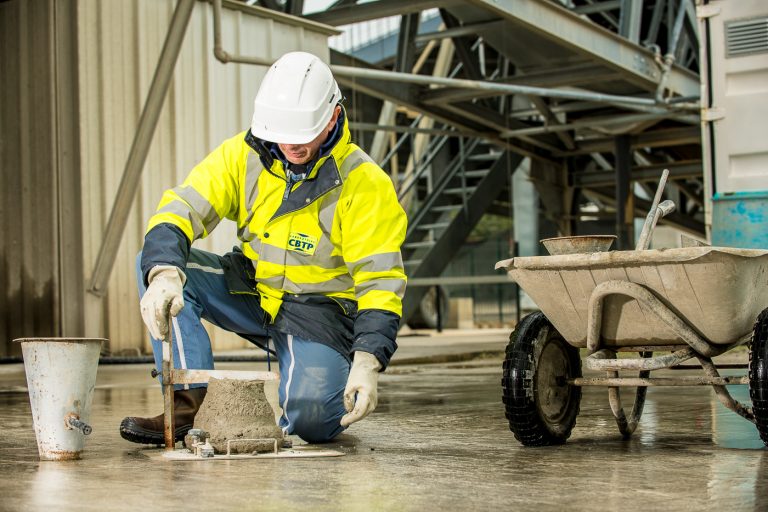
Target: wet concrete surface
{"x":438,"y":441}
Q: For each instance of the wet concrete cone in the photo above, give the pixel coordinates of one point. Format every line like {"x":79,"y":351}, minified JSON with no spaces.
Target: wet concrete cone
{"x":237,"y":410}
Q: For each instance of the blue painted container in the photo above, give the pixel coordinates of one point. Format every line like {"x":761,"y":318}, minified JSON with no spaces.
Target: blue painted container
{"x":740,"y":219}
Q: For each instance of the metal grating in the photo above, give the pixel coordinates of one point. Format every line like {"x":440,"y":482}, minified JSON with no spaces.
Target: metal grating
{"x":744,"y":37}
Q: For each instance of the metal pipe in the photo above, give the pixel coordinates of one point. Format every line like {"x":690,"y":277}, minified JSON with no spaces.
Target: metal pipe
{"x":218,"y":50}
{"x":627,"y":425}
{"x":605,"y":360}
{"x":658,"y":308}
{"x":470,"y":29}
{"x":129,"y":182}
{"x":627,"y":119}
{"x":376,"y":74}
{"x":633,"y":382}
{"x":722,"y":392}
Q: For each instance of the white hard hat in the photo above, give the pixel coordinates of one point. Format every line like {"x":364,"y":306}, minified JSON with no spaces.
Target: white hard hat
{"x":295,"y":100}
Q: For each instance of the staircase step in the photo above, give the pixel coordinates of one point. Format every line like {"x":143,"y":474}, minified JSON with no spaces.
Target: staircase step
{"x":436,"y":225}
{"x":478,"y":173}
{"x":460,"y":191}
{"x":412,"y":263}
{"x":446,"y":208}
{"x":418,"y":245}
{"x":485,"y":157}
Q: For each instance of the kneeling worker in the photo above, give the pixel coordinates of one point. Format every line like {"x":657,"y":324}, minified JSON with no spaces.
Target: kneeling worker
{"x":319,"y":269}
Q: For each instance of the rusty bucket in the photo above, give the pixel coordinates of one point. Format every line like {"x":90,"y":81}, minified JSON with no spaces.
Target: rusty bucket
{"x":61,"y":376}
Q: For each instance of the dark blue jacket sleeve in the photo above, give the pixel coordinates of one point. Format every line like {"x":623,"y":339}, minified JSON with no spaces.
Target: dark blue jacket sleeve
{"x":375,"y":332}
{"x":165,"y":244}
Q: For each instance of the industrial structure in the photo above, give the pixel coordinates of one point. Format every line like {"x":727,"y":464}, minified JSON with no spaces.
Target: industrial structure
{"x":548,"y":116}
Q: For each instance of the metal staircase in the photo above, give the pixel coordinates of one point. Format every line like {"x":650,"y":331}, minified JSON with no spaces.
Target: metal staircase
{"x":459,"y":197}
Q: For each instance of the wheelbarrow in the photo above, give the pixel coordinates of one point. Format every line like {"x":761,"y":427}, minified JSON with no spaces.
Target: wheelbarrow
{"x":663,"y":306}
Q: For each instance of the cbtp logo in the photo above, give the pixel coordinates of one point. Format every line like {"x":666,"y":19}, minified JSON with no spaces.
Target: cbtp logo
{"x":304,"y":244}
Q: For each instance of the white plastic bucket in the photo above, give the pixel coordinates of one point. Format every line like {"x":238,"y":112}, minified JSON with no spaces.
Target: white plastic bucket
{"x":61,"y":376}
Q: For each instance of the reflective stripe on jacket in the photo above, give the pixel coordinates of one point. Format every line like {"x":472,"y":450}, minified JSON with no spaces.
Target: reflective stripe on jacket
{"x":337,"y":233}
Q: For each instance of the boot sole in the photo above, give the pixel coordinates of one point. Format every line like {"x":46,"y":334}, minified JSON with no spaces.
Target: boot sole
{"x":132,"y":432}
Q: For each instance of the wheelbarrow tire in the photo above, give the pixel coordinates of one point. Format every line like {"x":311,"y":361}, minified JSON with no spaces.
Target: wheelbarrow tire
{"x":758,"y":374}
{"x":539,"y":404}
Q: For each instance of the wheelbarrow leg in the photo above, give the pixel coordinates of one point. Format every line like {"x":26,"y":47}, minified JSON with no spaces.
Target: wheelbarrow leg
{"x":628,"y":425}
{"x":722,"y":393}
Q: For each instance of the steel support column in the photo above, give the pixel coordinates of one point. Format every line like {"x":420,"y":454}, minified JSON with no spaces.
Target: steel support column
{"x":624,"y":207}
{"x":629,"y":21}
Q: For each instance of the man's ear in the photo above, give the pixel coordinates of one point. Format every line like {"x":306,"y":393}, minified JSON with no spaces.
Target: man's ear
{"x":334,"y":118}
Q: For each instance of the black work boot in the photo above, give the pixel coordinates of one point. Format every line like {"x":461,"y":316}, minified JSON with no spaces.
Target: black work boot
{"x":186,"y":402}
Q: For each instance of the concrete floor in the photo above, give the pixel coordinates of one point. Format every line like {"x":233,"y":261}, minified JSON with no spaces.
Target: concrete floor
{"x":438,"y":441}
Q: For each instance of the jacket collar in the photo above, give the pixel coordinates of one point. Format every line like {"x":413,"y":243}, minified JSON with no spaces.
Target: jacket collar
{"x":274,"y":160}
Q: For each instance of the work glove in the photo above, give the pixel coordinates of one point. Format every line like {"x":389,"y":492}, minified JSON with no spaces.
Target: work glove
{"x":360,"y":396}
{"x":165,"y":289}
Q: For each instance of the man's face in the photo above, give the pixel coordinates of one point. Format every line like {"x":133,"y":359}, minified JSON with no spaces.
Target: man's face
{"x":304,"y":153}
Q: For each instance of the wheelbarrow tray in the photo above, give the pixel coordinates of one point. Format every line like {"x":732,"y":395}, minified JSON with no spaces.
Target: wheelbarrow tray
{"x":717,"y":291}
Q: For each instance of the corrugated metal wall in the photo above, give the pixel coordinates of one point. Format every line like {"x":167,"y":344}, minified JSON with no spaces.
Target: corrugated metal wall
{"x":118,"y":44}
{"x":28,"y":202}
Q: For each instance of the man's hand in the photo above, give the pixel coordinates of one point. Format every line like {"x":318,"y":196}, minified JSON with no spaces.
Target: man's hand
{"x":362,"y":381}
{"x":165,"y":288}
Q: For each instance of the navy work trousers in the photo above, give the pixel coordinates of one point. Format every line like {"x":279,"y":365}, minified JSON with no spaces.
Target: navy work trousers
{"x":312,"y":375}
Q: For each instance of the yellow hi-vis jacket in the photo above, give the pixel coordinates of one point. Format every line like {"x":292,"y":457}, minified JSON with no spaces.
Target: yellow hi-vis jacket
{"x":336,"y":233}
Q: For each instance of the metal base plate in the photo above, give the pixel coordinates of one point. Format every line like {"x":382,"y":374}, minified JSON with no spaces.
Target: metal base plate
{"x":283,"y":453}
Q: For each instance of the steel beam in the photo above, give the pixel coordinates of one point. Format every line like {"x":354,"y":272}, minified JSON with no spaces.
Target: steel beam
{"x":653,"y":27}
{"x":571,"y":31}
{"x":463,"y":47}
{"x":348,"y":14}
{"x":496,"y":122}
{"x":677,"y":171}
{"x":406,"y":48}
{"x":654,"y":139}
{"x":454,"y":280}
{"x":294,"y":7}
{"x":142,"y":139}
{"x":339,"y":3}
{"x":270,"y":4}
{"x":628,"y":120}
{"x":606,"y":5}
{"x":470,"y":29}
